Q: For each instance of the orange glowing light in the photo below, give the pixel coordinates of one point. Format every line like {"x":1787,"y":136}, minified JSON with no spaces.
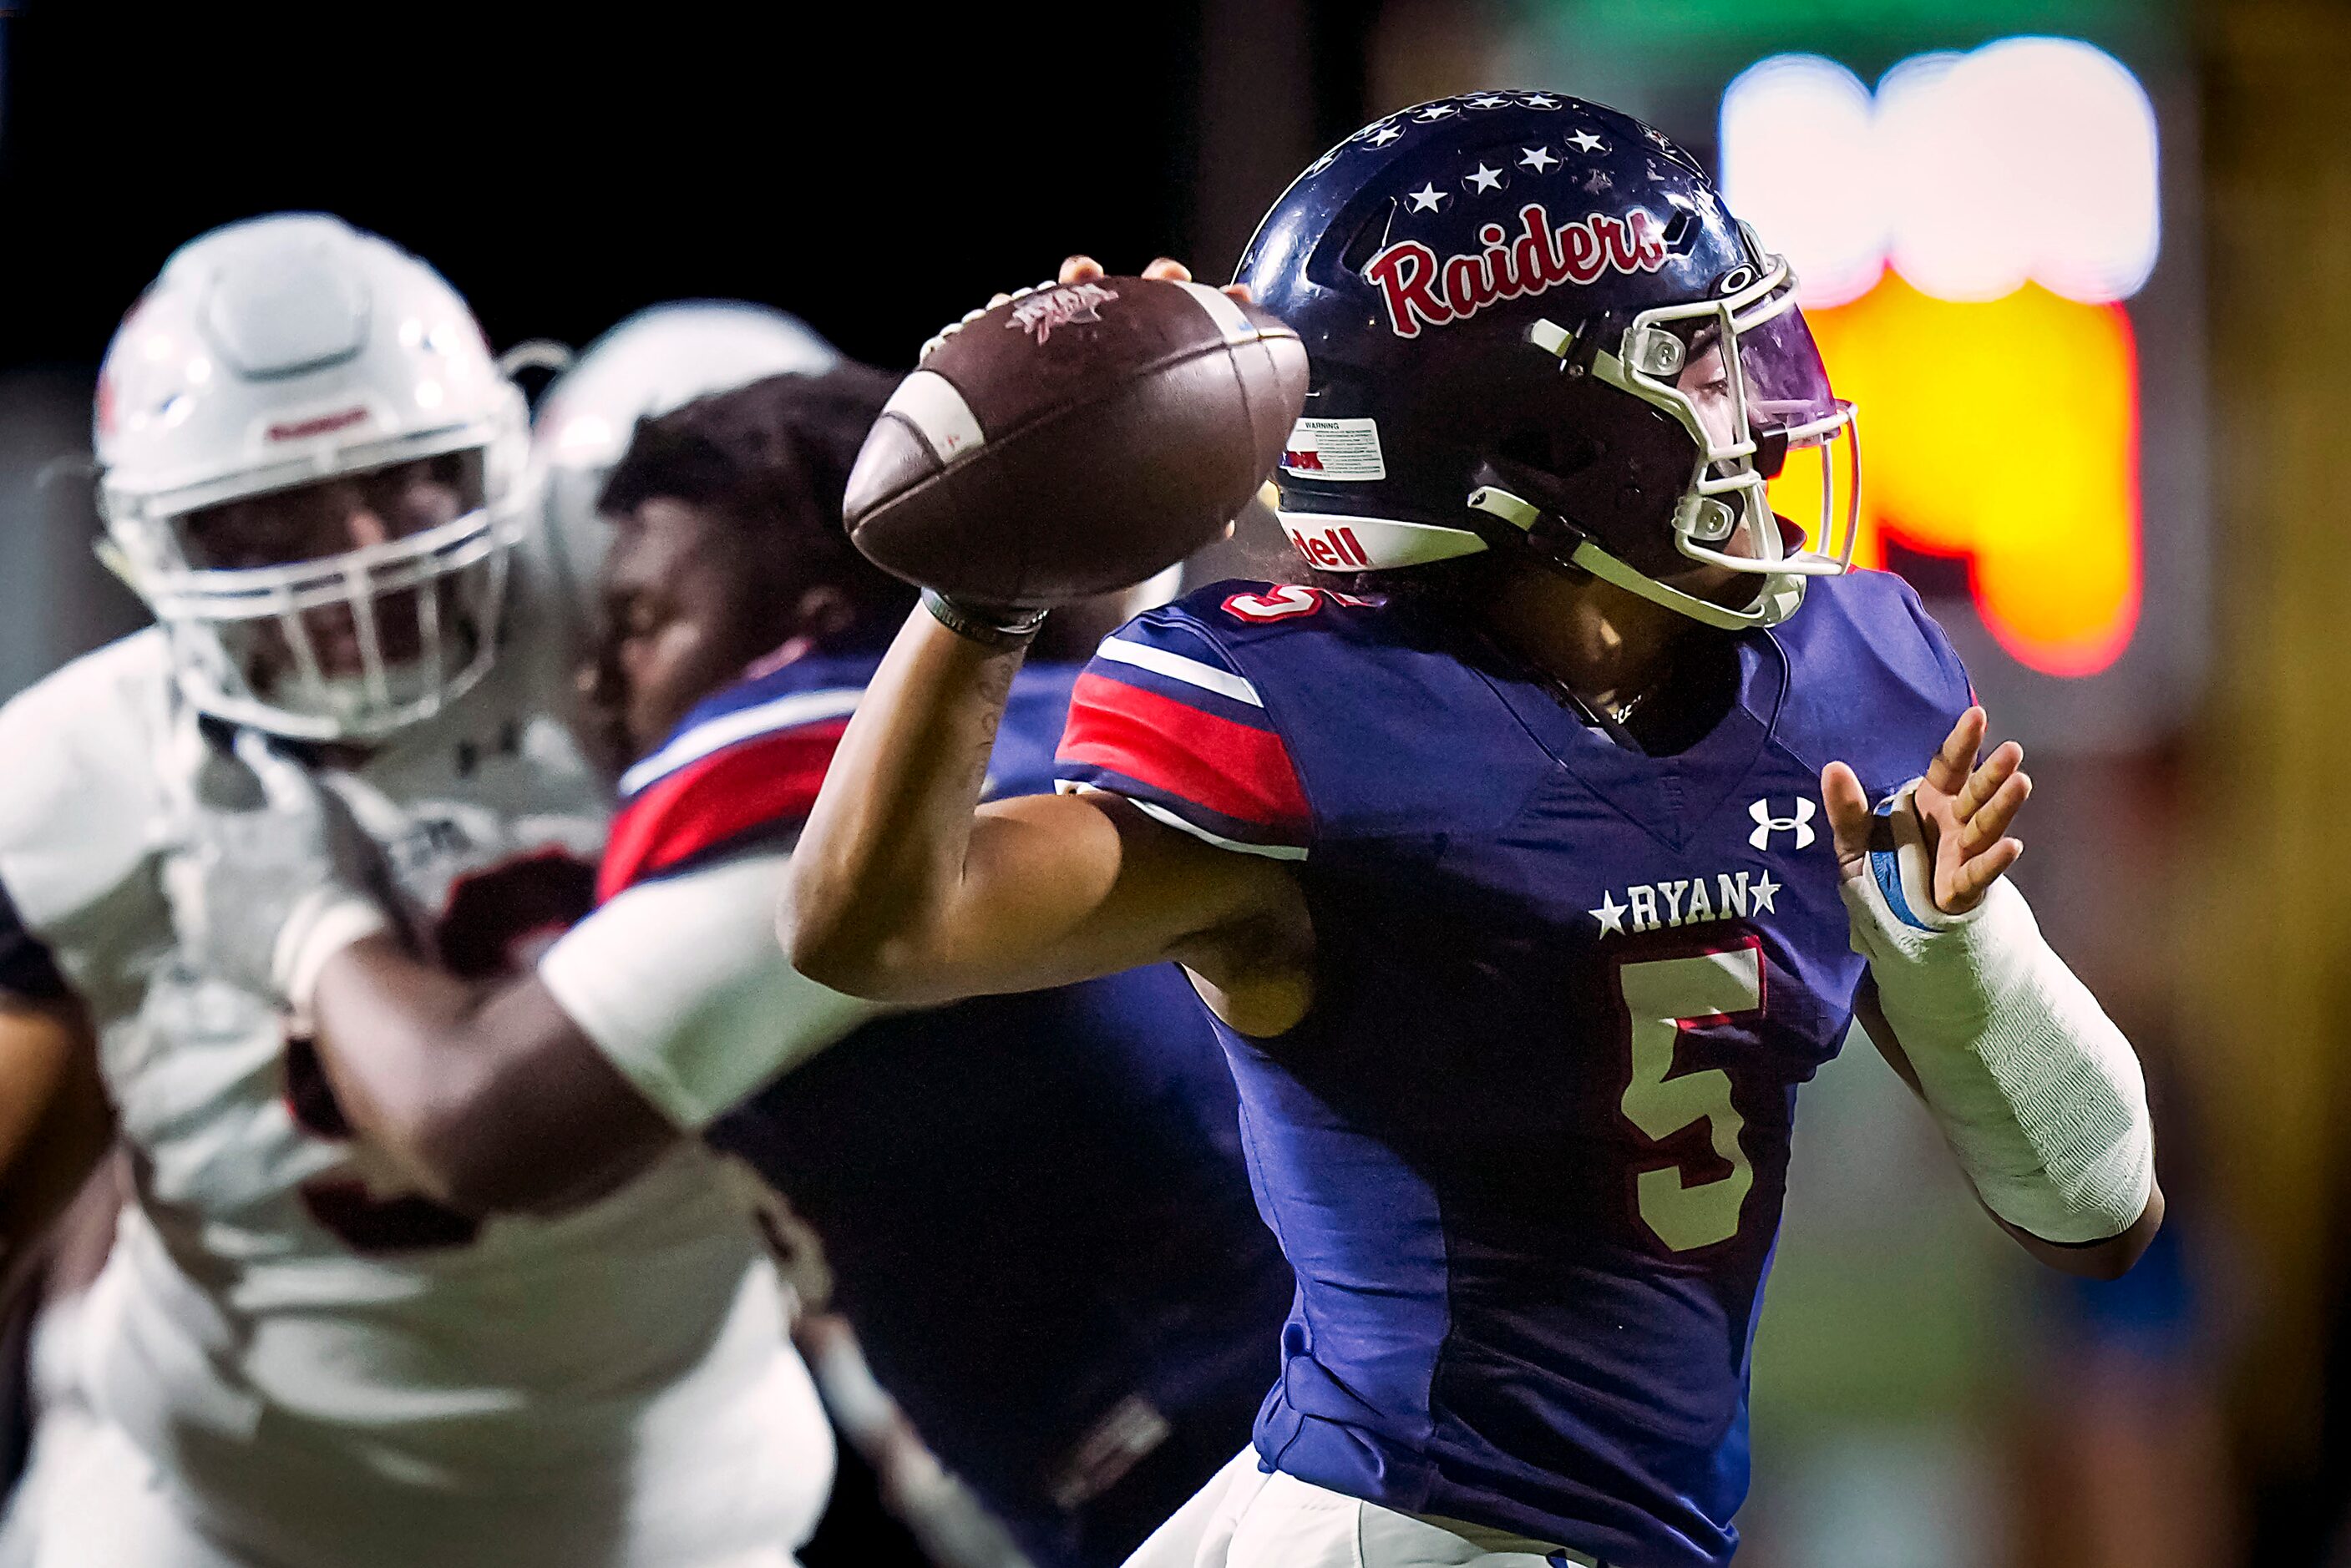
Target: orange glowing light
{"x":2005,"y":434}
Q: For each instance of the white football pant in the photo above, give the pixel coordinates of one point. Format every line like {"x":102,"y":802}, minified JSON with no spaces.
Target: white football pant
{"x":1246,"y":1518}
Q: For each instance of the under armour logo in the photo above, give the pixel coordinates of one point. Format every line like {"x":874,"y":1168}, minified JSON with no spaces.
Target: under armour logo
{"x":1766,"y":825}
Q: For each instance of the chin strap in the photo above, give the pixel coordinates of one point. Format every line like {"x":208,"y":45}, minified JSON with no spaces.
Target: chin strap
{"x":1775,"y":601}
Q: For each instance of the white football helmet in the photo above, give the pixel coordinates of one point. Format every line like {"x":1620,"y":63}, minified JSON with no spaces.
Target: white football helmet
{"x":657,"y":360}
{"x":278,"y":353}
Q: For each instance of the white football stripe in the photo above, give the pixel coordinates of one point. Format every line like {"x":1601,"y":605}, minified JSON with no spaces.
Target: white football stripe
{"x":1175,"y":666}
{"x":1161,"y":813}
{"x":1228,"y":317}
{"x":1270,"y":851}
{"x":782,"y":713}
{"x":929,"y":401}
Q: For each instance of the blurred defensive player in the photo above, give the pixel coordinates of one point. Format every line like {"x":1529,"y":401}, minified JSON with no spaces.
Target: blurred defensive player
{"x":1086,"y":1353}
{"x":317,"y":478}
{"x":1529,"y":867}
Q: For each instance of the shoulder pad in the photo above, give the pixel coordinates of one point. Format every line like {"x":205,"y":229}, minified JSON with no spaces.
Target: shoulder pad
{"x":1272,"y":717}
{"x":744,"y":765}
{"x":82,"y":803}
{"x":1165,"y":716}
{"x":1245,"y":610}
{"x":1863,"y":647}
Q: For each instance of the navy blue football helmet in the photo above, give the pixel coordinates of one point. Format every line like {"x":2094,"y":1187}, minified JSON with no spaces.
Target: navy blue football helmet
{"x":1533,"y":325}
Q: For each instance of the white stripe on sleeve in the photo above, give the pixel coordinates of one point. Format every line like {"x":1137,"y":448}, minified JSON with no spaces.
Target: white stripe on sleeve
{"x":1161,"y":813}
{"x":781,"y":714}
{"x":1175,"y":666}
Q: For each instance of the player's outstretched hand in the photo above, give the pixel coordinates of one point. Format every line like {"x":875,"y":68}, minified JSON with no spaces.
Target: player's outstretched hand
{"x":1966,"y":812}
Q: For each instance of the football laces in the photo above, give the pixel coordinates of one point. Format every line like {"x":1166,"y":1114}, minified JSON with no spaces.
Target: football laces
{"x":931,"y":346}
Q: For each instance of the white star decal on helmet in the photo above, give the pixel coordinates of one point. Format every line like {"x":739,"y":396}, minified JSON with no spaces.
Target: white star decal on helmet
{"x":1426,"y":199}
{"x":1385,"y":134}
{"x":1587,"y":142}
{"x":1484,"y":178}
{"x":1537,"y":158}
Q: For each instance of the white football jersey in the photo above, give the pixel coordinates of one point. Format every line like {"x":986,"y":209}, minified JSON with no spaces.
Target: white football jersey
{"x":333,"y":1371}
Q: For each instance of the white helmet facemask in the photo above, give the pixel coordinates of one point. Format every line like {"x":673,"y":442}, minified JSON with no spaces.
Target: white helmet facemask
{"x":281,"y":377}
{"x":1741,"y":375}
{"x":351,"y":644}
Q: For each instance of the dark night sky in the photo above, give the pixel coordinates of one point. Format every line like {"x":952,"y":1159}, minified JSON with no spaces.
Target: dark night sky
{"x":564,"y":167}
{"x":878,"y":178}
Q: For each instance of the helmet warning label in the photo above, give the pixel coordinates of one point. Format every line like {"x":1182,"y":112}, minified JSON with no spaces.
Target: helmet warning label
{"x":1334,"y":449}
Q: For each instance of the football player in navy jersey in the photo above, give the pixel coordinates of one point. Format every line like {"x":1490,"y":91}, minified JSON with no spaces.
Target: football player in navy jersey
{"x":1084,"y":1354}
{"x":1528,"y":865}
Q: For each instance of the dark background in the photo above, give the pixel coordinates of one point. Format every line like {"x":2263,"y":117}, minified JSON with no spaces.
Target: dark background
{"x":878,"y":174}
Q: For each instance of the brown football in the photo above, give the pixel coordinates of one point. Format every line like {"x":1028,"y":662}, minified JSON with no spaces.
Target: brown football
{"x":1076,"y":440}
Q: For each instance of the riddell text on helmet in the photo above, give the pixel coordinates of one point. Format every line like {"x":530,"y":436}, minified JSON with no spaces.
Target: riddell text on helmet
{"x":1418,"y":289}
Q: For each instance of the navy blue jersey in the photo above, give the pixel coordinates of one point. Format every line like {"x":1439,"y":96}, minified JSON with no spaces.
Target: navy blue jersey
{"x":1035,"y":1207}
{"x":740,"y":770}
{"x":1527,"y":1149}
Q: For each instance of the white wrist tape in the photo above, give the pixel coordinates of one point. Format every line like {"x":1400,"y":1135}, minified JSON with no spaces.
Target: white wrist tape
{"x":323,"y":924}
{"x":2037,"y":1093}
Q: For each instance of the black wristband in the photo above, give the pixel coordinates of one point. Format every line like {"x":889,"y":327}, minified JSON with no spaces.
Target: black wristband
{"x":991,"y":627}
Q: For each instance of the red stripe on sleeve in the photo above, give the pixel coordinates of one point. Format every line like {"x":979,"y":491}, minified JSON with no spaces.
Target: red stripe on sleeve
{"x":1228,"y":768}
{"x":772,"y":779}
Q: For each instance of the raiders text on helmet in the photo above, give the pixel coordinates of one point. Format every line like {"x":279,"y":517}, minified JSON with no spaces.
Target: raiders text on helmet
{"x":1514,"y":304}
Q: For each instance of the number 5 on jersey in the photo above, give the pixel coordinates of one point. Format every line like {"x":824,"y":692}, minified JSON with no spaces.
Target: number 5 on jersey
{"x":1662,"y":997}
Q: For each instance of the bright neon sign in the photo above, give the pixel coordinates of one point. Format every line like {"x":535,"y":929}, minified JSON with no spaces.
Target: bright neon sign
{"x":1963,"y":265}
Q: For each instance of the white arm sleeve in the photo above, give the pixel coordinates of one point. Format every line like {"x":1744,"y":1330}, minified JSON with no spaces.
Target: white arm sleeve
{"x":681,"y":983}
{"x":2037,"y":1092}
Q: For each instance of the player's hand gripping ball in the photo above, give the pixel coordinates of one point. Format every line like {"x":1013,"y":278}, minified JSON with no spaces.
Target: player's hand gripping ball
{"x":1076,"y":438}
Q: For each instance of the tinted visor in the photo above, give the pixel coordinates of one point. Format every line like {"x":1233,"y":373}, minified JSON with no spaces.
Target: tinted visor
{"x":1789,"y":401}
